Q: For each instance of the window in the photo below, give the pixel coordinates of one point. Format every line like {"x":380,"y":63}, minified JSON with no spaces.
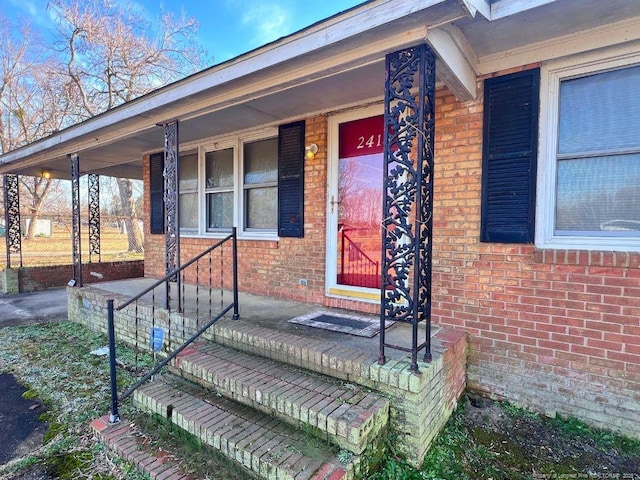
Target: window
{"x":591,"y":173}
{"x":188,"y":187}
{"x":219,"y":188}
{"x":242,"y":189}
{"x":598,"y":155}
{"x":233,"y":182}
{"x":254,"y":183}
{"x":261,"y":184}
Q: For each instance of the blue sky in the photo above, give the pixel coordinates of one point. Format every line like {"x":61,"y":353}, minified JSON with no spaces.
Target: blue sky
{"x":228,"y":28}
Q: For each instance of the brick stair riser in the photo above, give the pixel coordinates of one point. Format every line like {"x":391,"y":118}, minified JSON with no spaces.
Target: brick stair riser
{"x":327,"y":418}
{"x":270,"y":459}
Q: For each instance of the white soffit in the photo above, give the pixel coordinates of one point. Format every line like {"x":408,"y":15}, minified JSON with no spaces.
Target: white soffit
{"x":524,"y":24}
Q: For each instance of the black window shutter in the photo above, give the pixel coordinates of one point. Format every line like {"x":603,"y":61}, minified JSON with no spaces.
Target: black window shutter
{"x":156,"y":193}
{"x":291,"y":180}
{"x":509,"y":157}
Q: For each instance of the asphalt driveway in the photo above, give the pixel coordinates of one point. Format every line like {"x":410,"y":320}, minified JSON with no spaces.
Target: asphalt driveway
{"x":33,"y":307}
{"x":20,"y":429}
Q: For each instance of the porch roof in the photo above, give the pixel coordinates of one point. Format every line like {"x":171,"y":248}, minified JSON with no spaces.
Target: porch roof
{"x":328,"y":66}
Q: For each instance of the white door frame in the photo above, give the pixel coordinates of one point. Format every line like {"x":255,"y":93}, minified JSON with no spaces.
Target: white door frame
{"x":332,"y":288}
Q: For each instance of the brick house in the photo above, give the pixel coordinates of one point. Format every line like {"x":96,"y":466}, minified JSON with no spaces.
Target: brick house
{"x":536,"y":204}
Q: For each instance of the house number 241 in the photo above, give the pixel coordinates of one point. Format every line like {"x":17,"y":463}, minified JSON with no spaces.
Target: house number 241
{"x":371,"y":142}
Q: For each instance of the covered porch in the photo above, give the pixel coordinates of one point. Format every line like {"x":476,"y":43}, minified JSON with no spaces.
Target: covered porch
{"x":264,"y":361}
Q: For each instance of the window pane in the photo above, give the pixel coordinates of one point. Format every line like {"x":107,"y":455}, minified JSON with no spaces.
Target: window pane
{"x":188,"y":205}
{"x":262,"y":206}
{"x":188,"y":172}
{"x":261,"y":161}
{"x":599,"y":195}
{"x":220,"y":206}
{"x":600,"y":112}
{"x":219,"y":168}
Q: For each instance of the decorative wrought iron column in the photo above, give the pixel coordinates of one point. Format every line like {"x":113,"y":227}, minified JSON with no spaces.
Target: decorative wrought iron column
{"x":408,"y":199}
{"x":13,"y":234}
{"x":171,"y":197}
{"x":75,"y":221}
{"x":94,"y":215}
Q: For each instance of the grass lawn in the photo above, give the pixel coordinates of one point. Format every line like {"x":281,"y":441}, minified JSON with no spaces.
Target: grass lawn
{"x":56,"y":249}
{"x":483,"y":440}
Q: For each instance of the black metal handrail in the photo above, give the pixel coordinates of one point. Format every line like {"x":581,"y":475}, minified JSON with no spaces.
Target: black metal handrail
{"x":111,"y":309}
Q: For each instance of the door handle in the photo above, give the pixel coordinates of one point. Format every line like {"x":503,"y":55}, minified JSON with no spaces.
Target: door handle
{"x":333,"y":202}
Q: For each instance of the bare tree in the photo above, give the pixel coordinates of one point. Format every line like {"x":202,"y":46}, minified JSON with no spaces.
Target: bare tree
{"x":109,"y":59}
{"x":104,"y":56}
{"x":33,"y":104}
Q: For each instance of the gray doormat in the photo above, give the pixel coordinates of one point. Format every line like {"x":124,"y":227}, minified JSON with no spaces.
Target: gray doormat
{"x":340,"y":322}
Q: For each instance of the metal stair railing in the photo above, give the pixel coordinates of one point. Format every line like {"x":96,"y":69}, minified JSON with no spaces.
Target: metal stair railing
{"x":179,"y":276}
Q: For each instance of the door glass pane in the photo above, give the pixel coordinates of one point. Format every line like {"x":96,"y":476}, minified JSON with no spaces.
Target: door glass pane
{"x":261,"y":161}
{"x":188,"y":205}
{"x":599,"y":195}
{"x":359,"y":242}
{"x":262,"y":206}
{"x":188,"y":172}
{"x":219,"y":168}
{"x":220,"y":210}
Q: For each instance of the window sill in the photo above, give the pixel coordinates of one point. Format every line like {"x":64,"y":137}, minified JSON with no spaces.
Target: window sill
{"x":589,"y":258}
{"x":241,"y":236}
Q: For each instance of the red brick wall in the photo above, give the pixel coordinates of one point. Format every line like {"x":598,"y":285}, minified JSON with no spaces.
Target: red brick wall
{"x":558,"y":331}
{"x":42,"y":278}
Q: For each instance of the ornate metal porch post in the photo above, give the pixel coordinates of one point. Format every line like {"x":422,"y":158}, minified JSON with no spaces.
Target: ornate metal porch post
{"x":13,"y":234}
{"x":75,"y":221}
{"x":94,"y":215}
{"x":171,"y":196}
{"x":408,"y":196}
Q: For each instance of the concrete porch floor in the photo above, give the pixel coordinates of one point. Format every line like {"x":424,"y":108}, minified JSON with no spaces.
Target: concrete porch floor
{"x":269,"y":313}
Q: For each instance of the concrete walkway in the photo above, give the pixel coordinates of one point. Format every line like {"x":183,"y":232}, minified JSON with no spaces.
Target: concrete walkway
{"x":33,"y":307}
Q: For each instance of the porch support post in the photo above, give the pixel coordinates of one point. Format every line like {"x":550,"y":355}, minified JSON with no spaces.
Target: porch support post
{"x":75,"y":221}
{"x":171,"y":204}
{"x":94,"y":215}
{"x":13,"y":234}
{"x":408,"y":198}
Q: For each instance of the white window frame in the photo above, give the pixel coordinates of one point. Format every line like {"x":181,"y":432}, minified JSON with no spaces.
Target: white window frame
{"x":552,"y":74}
{"x":236,"y":142}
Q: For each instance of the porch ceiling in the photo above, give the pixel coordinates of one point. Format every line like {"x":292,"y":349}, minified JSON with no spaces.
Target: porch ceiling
{"x":549,"y":20}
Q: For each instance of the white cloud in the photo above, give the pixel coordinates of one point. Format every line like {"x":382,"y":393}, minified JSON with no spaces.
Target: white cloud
{"x":267,"y":20}
{"x":32,"y":10}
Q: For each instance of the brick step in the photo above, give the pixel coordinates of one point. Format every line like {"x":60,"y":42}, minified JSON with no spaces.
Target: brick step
{"x":264,"y":445}
{"x":132,"y":444}
{"x":347,"y":415}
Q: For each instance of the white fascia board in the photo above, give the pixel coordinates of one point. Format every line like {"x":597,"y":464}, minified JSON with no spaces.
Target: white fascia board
{"x":330,"y":32}
{"x":566,"y":45}
{"x":458,"y":63}
{"x":477,"y":6}
{"x":504,"y":8}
